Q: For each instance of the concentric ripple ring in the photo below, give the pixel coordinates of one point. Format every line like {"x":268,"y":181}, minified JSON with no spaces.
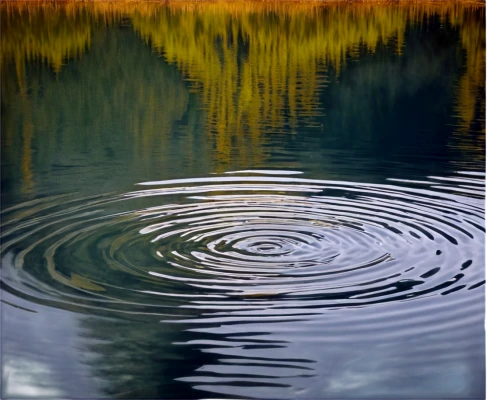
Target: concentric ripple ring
{"x":248,"y":240}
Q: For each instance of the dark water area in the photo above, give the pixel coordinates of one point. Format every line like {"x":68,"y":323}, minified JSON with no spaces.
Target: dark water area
{"x":243,"y":200}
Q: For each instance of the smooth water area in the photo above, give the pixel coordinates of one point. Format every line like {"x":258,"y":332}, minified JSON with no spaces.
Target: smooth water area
{"x":243,"y":200}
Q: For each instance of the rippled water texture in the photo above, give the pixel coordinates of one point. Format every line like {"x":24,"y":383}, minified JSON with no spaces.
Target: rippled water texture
{"x":243,"y":200}
{"x":278,"y":246}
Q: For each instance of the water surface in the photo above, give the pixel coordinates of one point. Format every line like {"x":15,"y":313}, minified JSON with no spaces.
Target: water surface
{"x":243,"y":200}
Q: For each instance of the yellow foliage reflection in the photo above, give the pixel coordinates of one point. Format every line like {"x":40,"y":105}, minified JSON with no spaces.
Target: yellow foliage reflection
{"x":31,"y":33}
{"x":471,"y":96}
{"x":258,"y":73}
{"x":258,"y":67}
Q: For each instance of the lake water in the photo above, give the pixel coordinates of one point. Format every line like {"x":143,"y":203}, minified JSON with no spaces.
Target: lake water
{"x":243,"y":200}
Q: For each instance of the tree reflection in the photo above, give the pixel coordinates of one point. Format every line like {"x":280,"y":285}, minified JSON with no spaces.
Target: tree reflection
{"x":119,"y":103}
{"x":140,"y":360}
{"x":103,"y":95}
{"x":253,"y":72}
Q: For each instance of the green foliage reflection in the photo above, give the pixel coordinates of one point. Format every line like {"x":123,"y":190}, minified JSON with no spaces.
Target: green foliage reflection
{"x":256,"y":67}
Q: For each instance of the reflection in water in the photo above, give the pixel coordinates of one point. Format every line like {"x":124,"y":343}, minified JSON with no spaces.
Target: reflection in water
{"x":141,"y":362}
{"x":256,"y":73}
{"x":32,"y":34}
{"x":308,"y":215}
{"x":142,"y":113}
{"x":231,"y":263}
{"x":471,"y":96}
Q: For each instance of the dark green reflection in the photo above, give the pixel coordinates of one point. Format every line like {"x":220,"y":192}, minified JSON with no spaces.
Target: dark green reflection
{"x":97,"y":97}
{"x":119,"y":94}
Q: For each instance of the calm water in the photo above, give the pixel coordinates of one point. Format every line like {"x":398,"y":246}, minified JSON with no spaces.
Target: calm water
{"x":243,"y":200}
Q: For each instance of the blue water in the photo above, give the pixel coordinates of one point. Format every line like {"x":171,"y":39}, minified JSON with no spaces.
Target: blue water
{"x":243,"y":201}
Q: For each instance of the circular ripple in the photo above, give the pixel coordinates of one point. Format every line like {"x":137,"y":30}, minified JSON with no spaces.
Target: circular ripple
{"x":248,"y":241}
